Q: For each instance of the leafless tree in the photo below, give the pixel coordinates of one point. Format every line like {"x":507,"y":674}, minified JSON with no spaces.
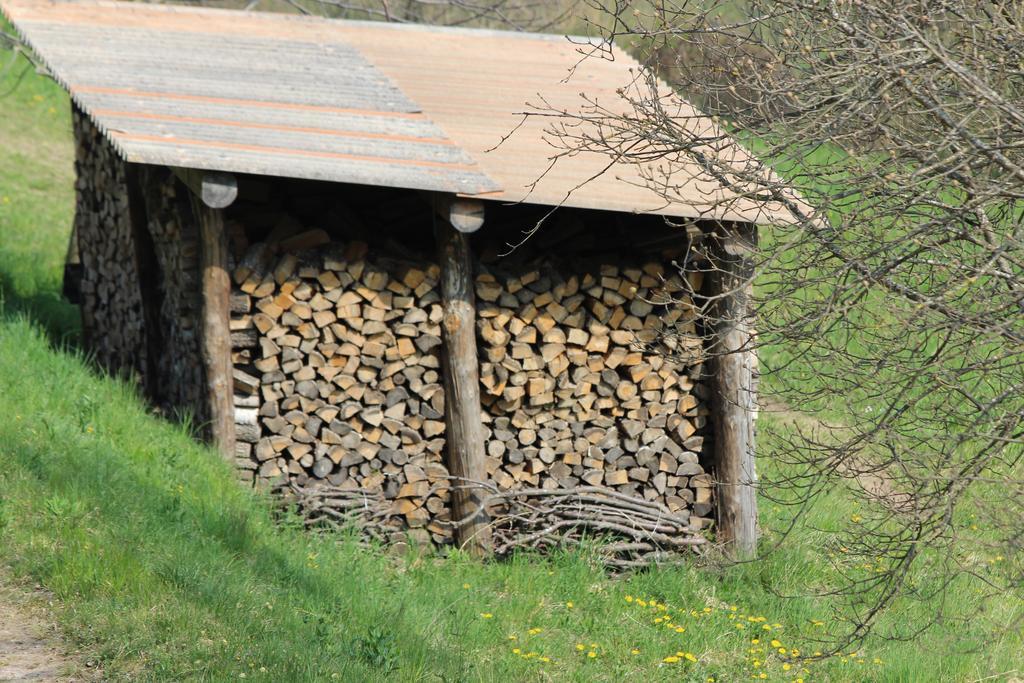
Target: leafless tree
{"x":889,"y":298}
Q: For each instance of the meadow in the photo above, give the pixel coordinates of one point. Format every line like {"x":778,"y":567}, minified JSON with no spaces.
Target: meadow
{"x":165,"y":568}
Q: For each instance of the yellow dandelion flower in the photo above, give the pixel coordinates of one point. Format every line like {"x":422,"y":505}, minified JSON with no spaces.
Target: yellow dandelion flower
{"x":658,"y":620}
{"x":641,"y":603}
{"x":465,"y":585}
{"x":680,"y":629}
{"x":580,"y":647}
{"x":876,"y":660}
{"x":545,"y":659}
{"x":787,"y":667}
{"x":670,"y":659}
{"x":486,"y":615}
{"x":755,"y":641}
{"x":534,"y":631}
{"x":855,"y":519}
{"x":513,"y":637}
{"x":635,"y":651}
{"x":741,"y":626}
{"x":762,"y":675}
{"x":591,"y":654}
{"x":629,"y":598}
{"x":689,"y":656}
{"x":569,"y":604}
{"x":766,"y":627}
{"x":776,"y":625}
{"x":782,"y":650}
{"x":776,"y":643}
{"x":516,"y":650}
{"x":733,"y":608}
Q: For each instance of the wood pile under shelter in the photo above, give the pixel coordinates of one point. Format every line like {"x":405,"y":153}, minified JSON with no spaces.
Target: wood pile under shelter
{"x":315,"y":264}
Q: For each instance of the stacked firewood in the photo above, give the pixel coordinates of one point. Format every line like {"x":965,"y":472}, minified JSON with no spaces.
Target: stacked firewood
{"x":338,"y":374}
{"x":112,"y":318}
{"x":589,"y":378}
{"x":175,"y":241}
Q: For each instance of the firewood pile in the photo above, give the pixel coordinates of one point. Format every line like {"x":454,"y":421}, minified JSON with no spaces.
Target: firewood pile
{"x":590,"y":428}
{"x":112,"y":319}
{"x":590,"y":378}
{"x":344,"y":381}
{"x":175,"y":241}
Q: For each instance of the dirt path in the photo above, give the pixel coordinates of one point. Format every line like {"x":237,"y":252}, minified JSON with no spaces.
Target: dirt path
{"x":30,"y":646}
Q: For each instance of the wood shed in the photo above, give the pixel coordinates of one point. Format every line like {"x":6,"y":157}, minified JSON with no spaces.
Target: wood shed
{"x":299,"y":232}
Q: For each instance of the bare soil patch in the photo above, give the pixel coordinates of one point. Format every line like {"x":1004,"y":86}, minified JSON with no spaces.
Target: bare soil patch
{"x":31,"y":648}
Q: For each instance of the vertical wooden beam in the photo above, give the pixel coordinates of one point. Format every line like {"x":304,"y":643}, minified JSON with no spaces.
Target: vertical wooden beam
{"x":148,"y":268}
{"x":464,"y":436}
{"x":215,"y":336}
{"x":732,"y":386}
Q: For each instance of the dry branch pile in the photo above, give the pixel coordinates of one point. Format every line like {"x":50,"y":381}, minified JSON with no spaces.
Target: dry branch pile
{"x":337,"y":374}
{"x":590,"y":379}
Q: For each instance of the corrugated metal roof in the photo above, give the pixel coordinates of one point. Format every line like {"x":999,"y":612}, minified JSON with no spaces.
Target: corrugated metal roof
{"x":360,"y":102}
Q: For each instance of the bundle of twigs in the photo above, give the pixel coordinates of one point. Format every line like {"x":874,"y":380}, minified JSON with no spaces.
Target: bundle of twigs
{"x":624,"y":532}
{"x":321,"y":504}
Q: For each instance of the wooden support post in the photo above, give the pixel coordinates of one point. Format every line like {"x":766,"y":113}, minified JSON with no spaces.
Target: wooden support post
{"x":148,"y":268}
{"x":215,"y":336}
{"x":732,"y":387}
{"x":464,"y":435}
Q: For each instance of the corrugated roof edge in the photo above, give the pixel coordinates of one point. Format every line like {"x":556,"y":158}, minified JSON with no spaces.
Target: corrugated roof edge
{"x":309,"y":18}
{"x":64,"y":84}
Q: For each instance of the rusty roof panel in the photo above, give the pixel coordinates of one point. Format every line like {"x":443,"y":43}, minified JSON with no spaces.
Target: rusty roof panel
{"x":362,"y":102}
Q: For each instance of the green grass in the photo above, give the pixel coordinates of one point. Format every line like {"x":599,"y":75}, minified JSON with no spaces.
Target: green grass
{"x":166,"y":569}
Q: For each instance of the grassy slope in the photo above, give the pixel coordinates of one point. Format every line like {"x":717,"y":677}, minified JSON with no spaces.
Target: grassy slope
{"x":168,"y":570}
